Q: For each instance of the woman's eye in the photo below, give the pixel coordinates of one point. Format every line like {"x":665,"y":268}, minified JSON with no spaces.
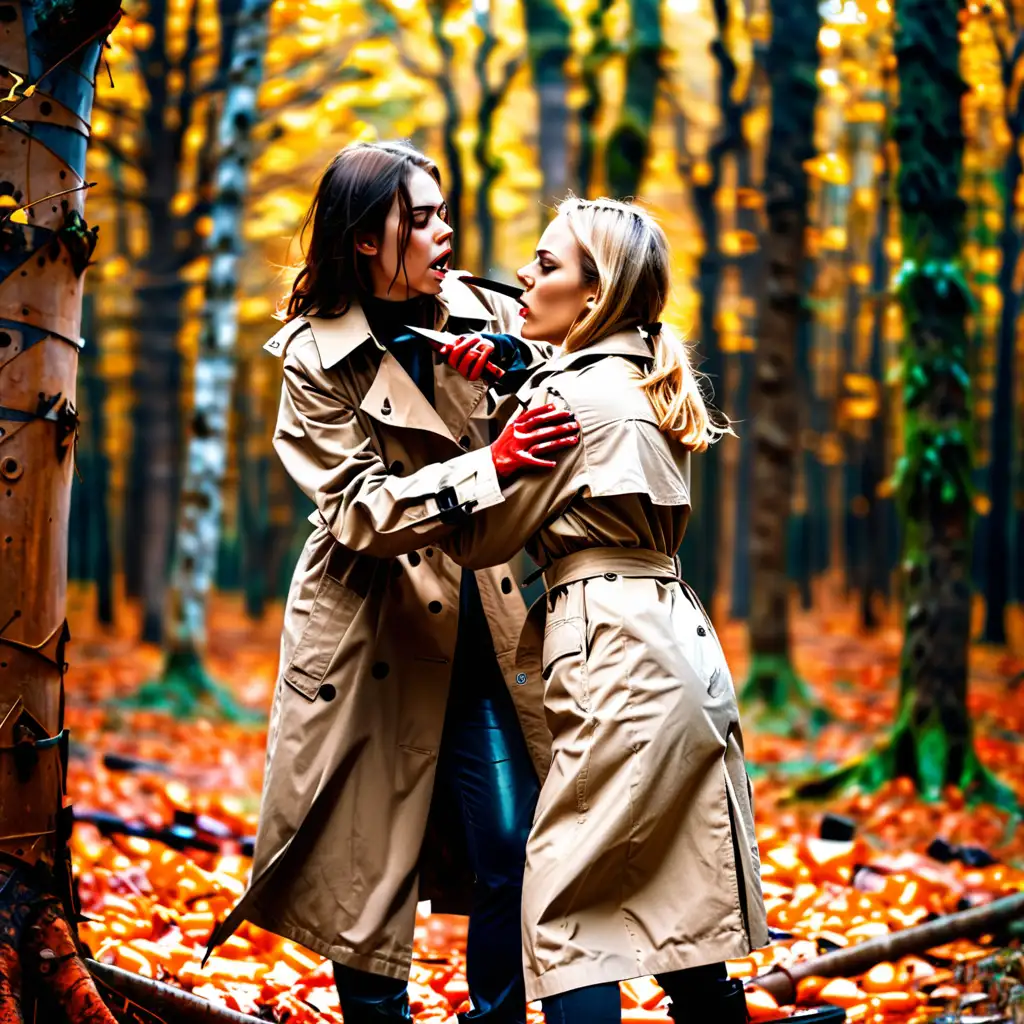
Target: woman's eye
{"x":420,"y":222}
{"x":546,"y":268}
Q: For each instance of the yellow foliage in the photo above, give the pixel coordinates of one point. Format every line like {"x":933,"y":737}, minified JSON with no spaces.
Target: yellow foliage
{"x":865,"y":111}
{"x":701,"y":172}
{"x":738,"y":243}
{"x":991,"y":298}
{"x":728,"y":322}
{"x":829,"y":167}
{"x":255,"y":308}
{"x":116,"y":268}
{"x":834,"y":238}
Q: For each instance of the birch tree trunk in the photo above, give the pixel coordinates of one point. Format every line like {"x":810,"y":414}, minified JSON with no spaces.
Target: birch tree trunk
{"x":791,"y":63}
{"x":49,"y":52}
{"x":199,"y":521}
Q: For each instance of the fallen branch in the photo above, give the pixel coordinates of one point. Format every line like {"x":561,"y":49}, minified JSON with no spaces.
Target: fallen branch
{"x":855,"y":960}
{"x":165,"y":1000}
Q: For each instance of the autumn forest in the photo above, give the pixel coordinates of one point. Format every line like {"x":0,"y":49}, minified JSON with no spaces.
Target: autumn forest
{"x":841,"y":184}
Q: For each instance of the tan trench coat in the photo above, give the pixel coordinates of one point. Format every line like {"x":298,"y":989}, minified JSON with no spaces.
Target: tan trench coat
{"x":369,"y":635}
{"x":642,"y":858}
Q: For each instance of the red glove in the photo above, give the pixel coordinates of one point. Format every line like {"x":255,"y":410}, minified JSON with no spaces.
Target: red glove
{"x":533,"y":433}
{"x":470,"y":356}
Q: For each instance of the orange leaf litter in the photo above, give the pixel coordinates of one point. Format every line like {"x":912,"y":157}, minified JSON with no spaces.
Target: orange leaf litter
{"x":151,"y":908}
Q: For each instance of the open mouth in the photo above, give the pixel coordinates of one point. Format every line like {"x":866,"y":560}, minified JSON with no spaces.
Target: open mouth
{"x":441,"y":263}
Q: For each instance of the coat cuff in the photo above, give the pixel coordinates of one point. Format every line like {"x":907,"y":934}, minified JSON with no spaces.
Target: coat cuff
{"x":469,"y":485}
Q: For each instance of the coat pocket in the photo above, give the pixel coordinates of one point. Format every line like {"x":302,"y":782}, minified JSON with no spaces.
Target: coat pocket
{"x":564,"y":644}
{"x":334,"y":608}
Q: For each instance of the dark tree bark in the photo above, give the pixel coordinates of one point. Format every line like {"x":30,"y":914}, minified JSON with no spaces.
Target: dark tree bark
{"x":549,"y":46}
{"x":791,"y":63}
{"x":700,"y":548}
{"x":49,"y":52}
{"x":932,"y":740}
{"x":998,"y":553}
{"x":157,"y":422}
{"x":630,"y":140}
{"x":876,"y":563}
{"x":490,"y":163}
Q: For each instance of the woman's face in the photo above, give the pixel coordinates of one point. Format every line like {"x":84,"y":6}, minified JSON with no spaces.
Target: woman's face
{"x":555,"y":295}
{"x":428,"y":251}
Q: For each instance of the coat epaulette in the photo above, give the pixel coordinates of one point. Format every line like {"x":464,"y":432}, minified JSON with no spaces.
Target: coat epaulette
{"x":278,"y":343}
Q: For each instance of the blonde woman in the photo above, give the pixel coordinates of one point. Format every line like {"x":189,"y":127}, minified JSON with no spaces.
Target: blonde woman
{"x":642,"y":858}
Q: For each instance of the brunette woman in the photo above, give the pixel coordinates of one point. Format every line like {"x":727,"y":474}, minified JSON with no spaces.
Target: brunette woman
{"x":397,"y":680}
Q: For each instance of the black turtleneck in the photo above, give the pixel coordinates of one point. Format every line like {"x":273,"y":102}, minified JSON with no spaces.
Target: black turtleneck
{"x":389,"y":320}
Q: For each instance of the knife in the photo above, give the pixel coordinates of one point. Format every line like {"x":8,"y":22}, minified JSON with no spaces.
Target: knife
{"x":443,"y":342}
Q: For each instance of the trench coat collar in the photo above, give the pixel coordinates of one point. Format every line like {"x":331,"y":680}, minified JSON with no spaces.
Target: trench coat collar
{"x":630,"y":343}
{"x":338,"y":337}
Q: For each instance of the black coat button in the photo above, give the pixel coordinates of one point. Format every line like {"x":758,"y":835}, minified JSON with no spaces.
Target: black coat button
{"x":434,"y":607}
{"x":464,"y":441}
{"x":610,"y":576}
{"x":429,"y":552}
{"x":701,"y":631}
{"x":327,"y":692}
{"x":385,"y":409}
{"x":380,"y":670}
{"x":396,"y":468}
{"x":506,"y":585}
{"x":414,"y":558}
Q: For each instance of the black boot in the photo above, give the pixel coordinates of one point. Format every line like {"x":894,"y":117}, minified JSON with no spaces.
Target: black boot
{"x":705,"y":996}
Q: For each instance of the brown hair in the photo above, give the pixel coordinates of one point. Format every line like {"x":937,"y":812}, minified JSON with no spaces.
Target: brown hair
{"x":354,"y":196}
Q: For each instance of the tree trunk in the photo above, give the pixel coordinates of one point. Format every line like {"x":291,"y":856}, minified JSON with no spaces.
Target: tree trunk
{"x":488,"y":163}
{"x":700,"y":548}
{"x":1000,"y":519}
{"x":791,"y":64}
{"x":630,"y":141}
{"x":199,"y":522}
{"x":55,"y":49}
{"x":874,"y":584}
{"x":932,"y":743}
{"x":548,"y":35}
{"x":932,"y":740}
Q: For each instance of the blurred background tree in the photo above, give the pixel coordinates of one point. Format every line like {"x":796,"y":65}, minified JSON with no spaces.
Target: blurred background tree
{"x":521,"y":101}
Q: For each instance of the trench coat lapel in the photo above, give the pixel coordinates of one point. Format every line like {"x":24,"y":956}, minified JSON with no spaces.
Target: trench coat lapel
{"x":394,"y":399}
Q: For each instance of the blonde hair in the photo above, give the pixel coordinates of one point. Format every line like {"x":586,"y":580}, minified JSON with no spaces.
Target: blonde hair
{"x":625,"y":251}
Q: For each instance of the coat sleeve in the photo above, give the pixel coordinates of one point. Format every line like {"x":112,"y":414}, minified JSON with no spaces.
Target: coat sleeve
{"x":328,"y":454}
{"x":494,"y":533}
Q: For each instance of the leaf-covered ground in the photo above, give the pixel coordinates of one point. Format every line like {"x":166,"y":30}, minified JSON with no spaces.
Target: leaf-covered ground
{"x":189,"y":792}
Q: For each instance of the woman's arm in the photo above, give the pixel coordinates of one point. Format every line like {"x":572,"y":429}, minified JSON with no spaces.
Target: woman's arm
{"x":331,"y":458}
{"x":329,"y":455}
{"x":496,"y":532}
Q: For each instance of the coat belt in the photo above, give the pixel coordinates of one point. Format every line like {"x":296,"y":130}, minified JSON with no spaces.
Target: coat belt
{"x":590,"y":562}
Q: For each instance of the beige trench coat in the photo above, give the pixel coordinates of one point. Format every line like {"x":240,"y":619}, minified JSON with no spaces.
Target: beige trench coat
{"x":369,"y":635}
{"x":642,"y":857}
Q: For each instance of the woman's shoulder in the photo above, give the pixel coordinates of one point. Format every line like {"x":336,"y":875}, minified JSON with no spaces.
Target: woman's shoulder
{"x":283,"y":338}
{"x":626,"y":451}
{"x":610,"y":388}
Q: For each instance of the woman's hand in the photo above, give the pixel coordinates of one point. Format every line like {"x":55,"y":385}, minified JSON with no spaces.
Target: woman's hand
{"x":534,"y":433}
{"x":470,"y":356}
